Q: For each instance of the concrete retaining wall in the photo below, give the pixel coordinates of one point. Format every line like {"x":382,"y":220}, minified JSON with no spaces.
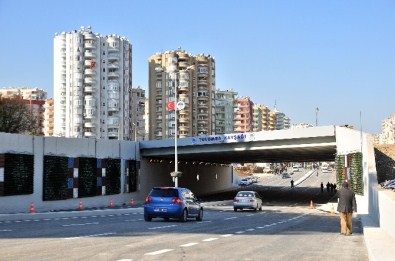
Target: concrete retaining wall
{"x":199,"y":178}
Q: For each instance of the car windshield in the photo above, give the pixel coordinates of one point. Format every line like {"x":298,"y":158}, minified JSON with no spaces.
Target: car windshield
{"x":244,"y":194}
{"x":164,"y":193}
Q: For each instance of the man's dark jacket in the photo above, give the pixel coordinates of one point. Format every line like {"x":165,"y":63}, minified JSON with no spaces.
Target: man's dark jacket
{"x":347,"y":201}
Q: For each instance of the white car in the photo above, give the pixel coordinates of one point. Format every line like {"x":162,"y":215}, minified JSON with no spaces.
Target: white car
{"x":295,"y":169}
{"x":245,"y":182}
{"x":247,"y":199}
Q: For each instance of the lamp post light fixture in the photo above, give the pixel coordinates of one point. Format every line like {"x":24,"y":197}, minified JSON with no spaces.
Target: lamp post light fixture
{"x":172,"y":70}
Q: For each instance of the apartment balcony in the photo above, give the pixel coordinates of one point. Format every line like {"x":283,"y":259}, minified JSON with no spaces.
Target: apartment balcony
{"x":112,"y":107}
{"x":88,"y":63}
{"x":202,"y":129}
{"x":202,"y":73}
{"x":112,"y":134}
{"x":113,"y":65}
{"x":203,"y":105}
{"x":90,"y":55}
{"x":89,"y":45}
{"x":112,"y":49}
{"x":183,"y":128}
{"x":184,"y":113}
{"x":183,"y":56}
{"x":113,"y":57}
{"x":202,"y":98}
{"x":89,"y":36}
{"x":113,"y":75}
{"x":89,"y":89}
{"x":90,"y":80}
{"x":183,"y":64}
{"x":89,"y":125}
{"x":183,"y":119}
{"x":89,"y":134}
{"x":90,"y":72}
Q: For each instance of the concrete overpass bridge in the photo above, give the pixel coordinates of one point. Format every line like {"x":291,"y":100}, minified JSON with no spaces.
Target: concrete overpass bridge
{"x":294,"y":145}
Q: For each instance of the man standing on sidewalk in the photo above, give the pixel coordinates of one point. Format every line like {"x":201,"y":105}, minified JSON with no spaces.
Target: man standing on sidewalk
{"x":346,"y":206}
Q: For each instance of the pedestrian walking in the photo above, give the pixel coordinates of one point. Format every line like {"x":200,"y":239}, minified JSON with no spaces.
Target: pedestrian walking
{"x":322,"y":187}
{"x":328,"y":186}
{"x":346,"y":206}
{"x":292,"y":183}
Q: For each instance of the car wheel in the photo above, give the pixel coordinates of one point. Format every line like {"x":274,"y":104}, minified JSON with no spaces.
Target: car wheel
{"x":147,"y":218}
{"x":200,"y":216}
{"x":260,"y":208}
{"x":235,"y":209}
{"x":256,"y":207}
{"x":184,"y":216}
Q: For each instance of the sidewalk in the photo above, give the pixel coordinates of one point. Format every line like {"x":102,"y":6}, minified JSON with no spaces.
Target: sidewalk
{"x":379,"y":244}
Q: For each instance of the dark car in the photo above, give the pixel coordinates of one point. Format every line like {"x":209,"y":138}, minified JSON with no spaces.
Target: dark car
{"x":170,"y":202}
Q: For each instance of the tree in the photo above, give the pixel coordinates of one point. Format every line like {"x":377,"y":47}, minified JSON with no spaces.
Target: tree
{"x":15,"y":117}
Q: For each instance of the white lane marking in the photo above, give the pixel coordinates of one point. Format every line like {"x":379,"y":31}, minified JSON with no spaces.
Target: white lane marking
{"x":260,"y":227}
{"x":249,"y":215}
{"x":239,"y":232}
{"x":229,"y":218}
{"x":227,"y":235}
{"x":158,"y":252}
{"x":6,"y":230}
{"x":250,"y":229}
{"x":201,"y":222}
{"x":162,"y":227}
{"x":94,"y":235}
{"x":210,"y":239}
{"x":82,"y":224}
{"x":18,"y":221}
{"x":125,"y":260}
{"x":130,"y":220}
{"x":188,"y":245}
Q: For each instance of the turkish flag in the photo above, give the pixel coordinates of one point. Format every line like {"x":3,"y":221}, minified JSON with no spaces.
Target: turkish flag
{"x":170,"y":105}
{"x":93,"y":63}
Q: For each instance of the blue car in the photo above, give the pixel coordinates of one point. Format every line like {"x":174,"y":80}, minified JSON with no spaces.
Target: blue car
{"x":170,"y":202}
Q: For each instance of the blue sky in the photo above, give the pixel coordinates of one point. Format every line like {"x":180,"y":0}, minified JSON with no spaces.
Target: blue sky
{"x":336,"y":55}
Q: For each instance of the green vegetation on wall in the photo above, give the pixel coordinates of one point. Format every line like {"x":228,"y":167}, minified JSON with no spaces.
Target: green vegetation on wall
{"x":354,"y":171}
{"x":56,"y":174}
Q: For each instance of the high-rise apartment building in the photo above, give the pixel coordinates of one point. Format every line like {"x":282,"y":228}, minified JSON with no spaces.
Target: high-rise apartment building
{"x":224,"y":111}
{"x":194,"y":88}
{"x":257,"y":118}
{"x":281,"y":120}
{"x":243,"y":115}
{"x":48,"y":117}
{"x":387,"y":135}
{"x":138,"y":109}
{"x":92,"y":85}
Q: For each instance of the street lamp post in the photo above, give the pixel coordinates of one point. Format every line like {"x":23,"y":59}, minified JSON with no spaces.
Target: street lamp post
{"x":173,"y":71}
{"x":316,"y":116}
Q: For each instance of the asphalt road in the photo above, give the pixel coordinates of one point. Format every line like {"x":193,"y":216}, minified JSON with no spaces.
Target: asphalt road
{"x":286,"y":229}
